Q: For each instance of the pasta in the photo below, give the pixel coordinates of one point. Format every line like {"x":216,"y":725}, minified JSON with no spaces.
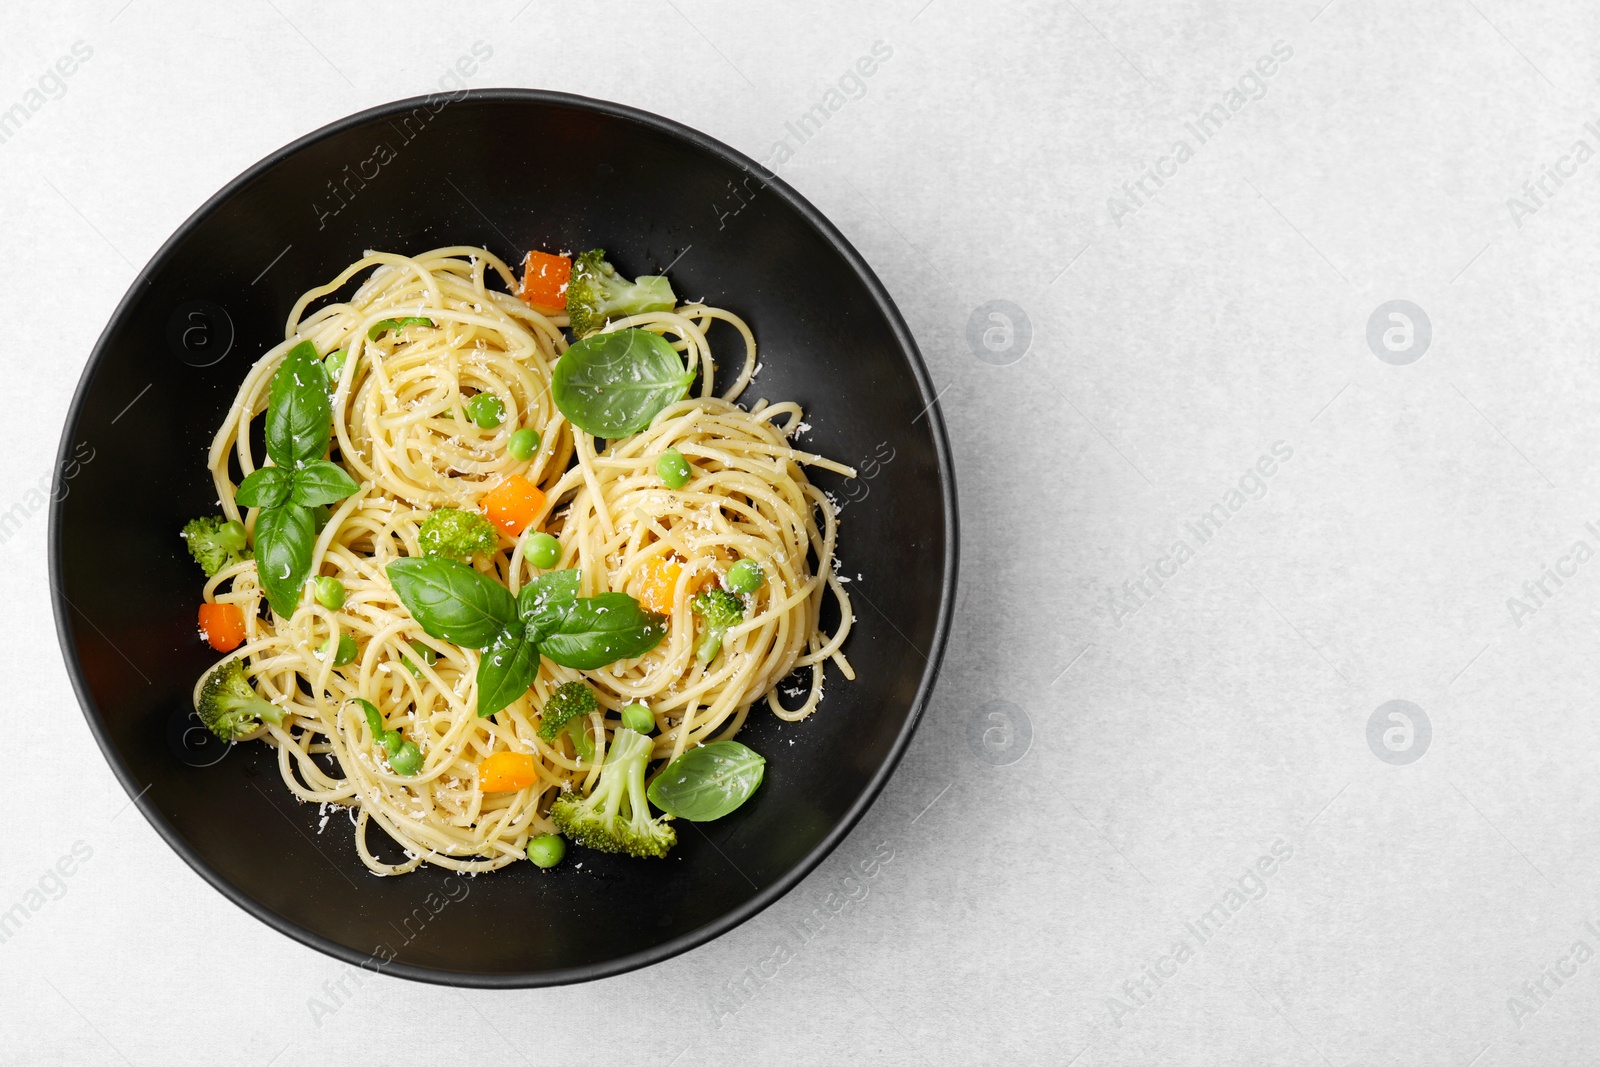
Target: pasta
{"x":434,"y":370}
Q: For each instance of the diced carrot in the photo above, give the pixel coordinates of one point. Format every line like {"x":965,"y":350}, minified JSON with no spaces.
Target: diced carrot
{"x":544,"y":281}
{"x":513,"y":504}
{"x":660,"y":579}
{"x":222,"y":625}
{"x":506,"y":772}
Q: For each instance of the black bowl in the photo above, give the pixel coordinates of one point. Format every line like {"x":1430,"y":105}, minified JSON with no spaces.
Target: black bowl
{"x":508,"y":170}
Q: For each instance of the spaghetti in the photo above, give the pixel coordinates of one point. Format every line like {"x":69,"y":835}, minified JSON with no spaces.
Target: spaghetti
{"x":421,"y":338}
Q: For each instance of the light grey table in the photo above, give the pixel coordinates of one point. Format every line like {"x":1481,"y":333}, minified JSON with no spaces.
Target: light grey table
{"x":1223,"y":501}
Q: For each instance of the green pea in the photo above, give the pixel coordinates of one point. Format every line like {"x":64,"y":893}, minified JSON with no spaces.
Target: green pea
{"x":638,"y":717}
{"x":425,"y":653}
{"x":745,"y":576}
{"x":344,"y":653}
{"x":231,"y":536}
{"x":673,"y":469}
{"x":329,"y":592}
{"x":546,"y":850}
{"x":486,"y":410}
{"x":523,"y":444}
{"x":334,"y":362}
{"x":405,"y":759}
{"x":544,"y":551}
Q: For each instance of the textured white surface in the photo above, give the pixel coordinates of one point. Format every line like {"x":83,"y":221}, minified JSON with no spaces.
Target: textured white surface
{"x":1170,"y":746}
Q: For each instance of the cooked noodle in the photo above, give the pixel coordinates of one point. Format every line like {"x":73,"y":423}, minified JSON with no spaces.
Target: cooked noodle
{"x":400,"y":429}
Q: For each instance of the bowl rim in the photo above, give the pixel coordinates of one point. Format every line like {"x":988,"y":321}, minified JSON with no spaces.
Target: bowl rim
{"x":763,"y":898}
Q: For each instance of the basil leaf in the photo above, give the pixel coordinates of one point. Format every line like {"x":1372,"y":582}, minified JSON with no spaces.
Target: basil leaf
{"x":708,"y":782}
{"x":547,"y":590}
{"x":602,"y":629}
{"x":378,"y":328}
{"x":299,"y":415}
{"x":334,"y":363}
{"x":317,"y":482}
{"x":264,"y":488}
{"x":545,"y":601}
{"x":420,"y":653}
{"x":451,"y":601}
{"x":284,"y":539}
{"x":613,"y":384}
{"x":374,"y":717}
{"x":506,"y":670}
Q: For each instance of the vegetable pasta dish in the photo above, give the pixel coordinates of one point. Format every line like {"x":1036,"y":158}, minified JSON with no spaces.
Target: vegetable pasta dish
{"x":499,"y":571}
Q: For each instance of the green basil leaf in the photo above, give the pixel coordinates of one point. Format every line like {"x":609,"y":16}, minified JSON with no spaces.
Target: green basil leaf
{"x":613,"y":384}
{"x":451,"y":601}
{"x":506,"y":670}
{"x":374,"y":717}
{"x":284,"y":538}
{"x":602,"y":629}
{"x":264,"y":488}
{"x":545,"y":601}
{"x":317,"y":482}
{"x":548,"y":590}
{"x":378,"y":328}
{"x":708,"y":782}
{"x":420,"y":653}
{"x":334,"y":363}
{"x":299,"y":415}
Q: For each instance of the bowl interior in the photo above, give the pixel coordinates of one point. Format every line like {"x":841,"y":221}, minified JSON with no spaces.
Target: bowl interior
{"x":508,"y":170}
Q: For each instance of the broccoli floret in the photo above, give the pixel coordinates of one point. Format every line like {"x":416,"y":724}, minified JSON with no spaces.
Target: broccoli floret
{"x":456,"y":534}
{"x":229,"y":707}
{"x":719,"y":610}
{"x":215,"y":543}
{"x":597,"y":293}
{"x":615,"y":816}
{"x":568,"y":703}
